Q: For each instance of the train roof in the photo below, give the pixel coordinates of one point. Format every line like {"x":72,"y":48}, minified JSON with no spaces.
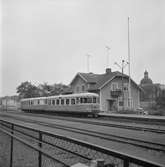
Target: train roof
{"x":64,"y":96}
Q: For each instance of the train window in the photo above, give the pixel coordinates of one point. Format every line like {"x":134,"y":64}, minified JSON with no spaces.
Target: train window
{"x":89,"y":100}
{"x":77,"y":100}
{"x":67,"y":101}
{"x":85,"y":100}
{"x":49,"y":102}
{"x":62,"y":101}
{"x":46,"y":101}
{"x":53,"y":102}
{"x":57,"y":101}
{"x":31,"y":102}
{"x":81,"y":100}
{"x":94,"y":99}
{"x":72,"y":101}
{"x":38,"y":101}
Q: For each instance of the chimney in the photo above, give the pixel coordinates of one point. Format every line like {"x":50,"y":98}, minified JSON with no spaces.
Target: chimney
{"x":108,"y":70}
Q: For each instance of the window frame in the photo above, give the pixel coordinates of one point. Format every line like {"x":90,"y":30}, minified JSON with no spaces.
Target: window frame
{"x":73,"y":99}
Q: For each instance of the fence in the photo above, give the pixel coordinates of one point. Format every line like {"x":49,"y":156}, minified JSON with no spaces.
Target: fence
{"x":57,"y":150}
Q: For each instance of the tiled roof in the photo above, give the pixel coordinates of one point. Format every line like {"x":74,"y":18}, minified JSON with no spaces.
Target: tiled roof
{"x":99,"y":79}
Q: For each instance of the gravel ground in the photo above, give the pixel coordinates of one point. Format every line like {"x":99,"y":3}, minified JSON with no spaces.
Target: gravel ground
{"x":23,"y":156}
{"x":4,"y":150}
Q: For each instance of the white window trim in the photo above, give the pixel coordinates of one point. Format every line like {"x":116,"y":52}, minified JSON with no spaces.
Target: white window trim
{"x":116,"y":85}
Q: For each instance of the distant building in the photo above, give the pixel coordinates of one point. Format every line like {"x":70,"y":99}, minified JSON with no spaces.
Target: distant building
{"x":109,"y":87}
{"x":11,"y":102}
{"x":150,"y":91}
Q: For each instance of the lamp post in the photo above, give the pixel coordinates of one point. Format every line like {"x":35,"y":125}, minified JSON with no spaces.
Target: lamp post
{"x":122,"y":66}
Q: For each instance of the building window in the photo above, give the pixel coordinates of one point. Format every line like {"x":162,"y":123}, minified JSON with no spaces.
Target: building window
{"x":114,"y":86}
{"x":121,"y":103}
{"x":77,"y":89}
{"x":83,"y":88}
{"x":125,"y":87}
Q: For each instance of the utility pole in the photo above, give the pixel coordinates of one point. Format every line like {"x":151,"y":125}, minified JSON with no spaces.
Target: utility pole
{"x":88,"y":56}
{"x":122,"y":66}
{"x":108,"y":52}
{"x":129,"y":70}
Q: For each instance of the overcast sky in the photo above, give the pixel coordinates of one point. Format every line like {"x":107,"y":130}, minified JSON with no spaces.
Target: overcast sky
{"x":48,"y":40}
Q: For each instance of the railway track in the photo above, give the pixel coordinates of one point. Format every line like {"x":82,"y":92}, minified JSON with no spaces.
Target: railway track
{"x":102,"y":123}
{"x":108,"y":137}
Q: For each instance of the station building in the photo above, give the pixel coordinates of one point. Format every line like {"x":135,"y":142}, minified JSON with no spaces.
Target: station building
{"x":109,"y":86}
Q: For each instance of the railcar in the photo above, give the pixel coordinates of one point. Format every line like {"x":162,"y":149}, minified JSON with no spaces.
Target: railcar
{"x":81,"y":104}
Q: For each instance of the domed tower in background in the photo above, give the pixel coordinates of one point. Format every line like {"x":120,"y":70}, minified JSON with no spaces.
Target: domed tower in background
{"x":146,"y":80}
{"x":148,"y":93}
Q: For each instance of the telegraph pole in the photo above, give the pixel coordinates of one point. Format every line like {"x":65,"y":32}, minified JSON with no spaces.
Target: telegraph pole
{"x":129,"y":70}
{"x":108,"y":49}
{"x":88,"y":56}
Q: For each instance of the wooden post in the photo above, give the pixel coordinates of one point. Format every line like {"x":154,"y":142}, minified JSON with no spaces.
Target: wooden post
{"x":11,"y":148}
{"x":40,"y":154}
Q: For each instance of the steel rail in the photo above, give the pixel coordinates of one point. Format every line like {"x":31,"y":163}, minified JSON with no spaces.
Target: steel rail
{"x":130,"y":127}
{"x":108,"y":136}
{"x":115,"y":138}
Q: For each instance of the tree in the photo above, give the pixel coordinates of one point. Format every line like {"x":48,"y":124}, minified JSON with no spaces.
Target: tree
{"x":27,"y":90}
{"x":58,"y":89}
{"x":45,"y":89}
